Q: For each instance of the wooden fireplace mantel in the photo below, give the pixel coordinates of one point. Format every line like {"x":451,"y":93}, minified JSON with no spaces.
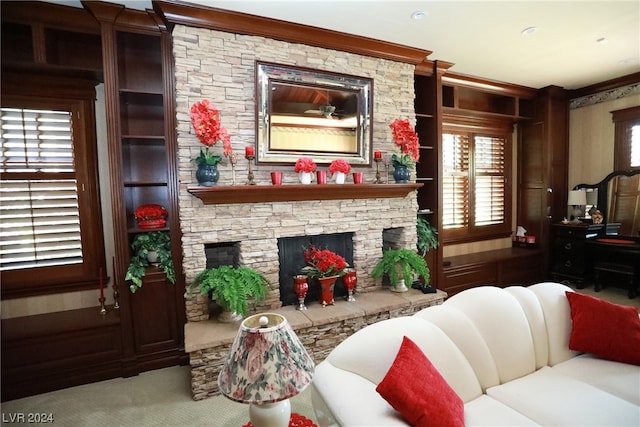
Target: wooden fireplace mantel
{"x":222,"y":195}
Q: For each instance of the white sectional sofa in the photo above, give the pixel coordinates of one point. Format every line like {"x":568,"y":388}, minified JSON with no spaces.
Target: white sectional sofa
{"x":505,"y":353}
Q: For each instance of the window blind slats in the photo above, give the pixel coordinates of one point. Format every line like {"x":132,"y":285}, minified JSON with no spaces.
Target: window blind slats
{"x":36,"y":140}
{"x":39,"y":210}
{"x":473,"y":164}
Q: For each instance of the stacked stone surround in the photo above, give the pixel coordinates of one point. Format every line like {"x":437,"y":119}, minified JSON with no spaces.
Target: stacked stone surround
{"x":220,"y":66}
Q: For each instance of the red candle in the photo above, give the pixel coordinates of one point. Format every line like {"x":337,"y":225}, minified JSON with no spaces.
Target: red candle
{"x":101,"y":284}
{"x":248,"y":151}
{"x":377,"y":155}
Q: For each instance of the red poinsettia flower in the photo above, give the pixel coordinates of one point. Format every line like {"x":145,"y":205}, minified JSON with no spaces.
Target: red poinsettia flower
{"x":151,"y":211}
{"x":406,"y":138}
{"x":305,"y":164}
{"x":339,"y":165}
{"x":323,"y":263}
{"x":205,"y":119}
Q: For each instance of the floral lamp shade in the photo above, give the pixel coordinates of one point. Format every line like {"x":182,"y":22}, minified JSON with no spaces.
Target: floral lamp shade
{"x":267,"y":362}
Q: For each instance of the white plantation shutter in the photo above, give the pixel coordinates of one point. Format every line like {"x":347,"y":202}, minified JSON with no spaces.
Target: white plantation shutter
{"x":39,"y":211}
{"x":489,"y":180}
{"x":455,"y":181}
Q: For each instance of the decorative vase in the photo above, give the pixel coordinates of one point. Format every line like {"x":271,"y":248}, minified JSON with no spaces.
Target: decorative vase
{"x":228,"y":316}
{"x":207,"y":175}
{"x":305,"y":177}
{"x":150,"y":224}
{"x":401,"y":174}
{"x":326,"y":289}
{"x":152,"y":257}
{"x":340,"y":178}
{"x":300,"y":288}
{"x":400,"y":286}
{"x":350,"y":280}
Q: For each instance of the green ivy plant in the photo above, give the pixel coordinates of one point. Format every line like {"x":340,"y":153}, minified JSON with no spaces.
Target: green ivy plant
{"x":231,"y":287}
{"x":401,"y":264}
{"x":427,"y":236}
{"x":143,"y":243}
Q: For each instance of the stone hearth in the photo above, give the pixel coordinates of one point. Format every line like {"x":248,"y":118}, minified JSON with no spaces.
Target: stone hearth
{"x":319,"y":329}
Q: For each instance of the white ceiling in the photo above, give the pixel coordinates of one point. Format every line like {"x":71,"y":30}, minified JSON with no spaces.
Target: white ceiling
{"x":482,"y":38}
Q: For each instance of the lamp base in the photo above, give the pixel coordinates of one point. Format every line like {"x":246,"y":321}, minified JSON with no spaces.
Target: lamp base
{"x":270,"y":414}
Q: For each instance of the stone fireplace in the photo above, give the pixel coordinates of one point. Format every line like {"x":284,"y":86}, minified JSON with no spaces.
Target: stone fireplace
{"x":220,"y":67}
{"x":249,"y":227}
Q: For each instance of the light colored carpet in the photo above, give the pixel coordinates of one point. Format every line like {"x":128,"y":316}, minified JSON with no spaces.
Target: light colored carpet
{"x":163,"y":397}
{"x":156,"y":398}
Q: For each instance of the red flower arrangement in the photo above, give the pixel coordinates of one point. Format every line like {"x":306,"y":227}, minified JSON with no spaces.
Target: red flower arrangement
{"x":323,"y":263}
{"x":205,"y":119}
{"x":406,"y":138}
{"x":339,"y":165}
{"x":151,"y":216}
{"x":305,"y":164}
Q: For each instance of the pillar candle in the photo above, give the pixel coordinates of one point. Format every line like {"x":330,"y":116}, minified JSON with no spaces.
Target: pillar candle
{"x":248,"y":151}
{"x":377,"y":154}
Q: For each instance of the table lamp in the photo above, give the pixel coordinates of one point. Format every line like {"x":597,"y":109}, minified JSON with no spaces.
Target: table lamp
{"x":576,"y":198}
{"x":266,"y":366}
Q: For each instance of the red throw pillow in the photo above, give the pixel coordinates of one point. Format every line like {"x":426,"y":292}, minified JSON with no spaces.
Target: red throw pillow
{"x":607,"y":330}
{"x":415,"y":388}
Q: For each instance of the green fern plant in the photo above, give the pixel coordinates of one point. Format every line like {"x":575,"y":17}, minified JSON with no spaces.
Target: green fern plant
{"x":231,"y":287}
{"x":401,"y":264}
{"x":143,"y":243}
{"x":427,"y":236}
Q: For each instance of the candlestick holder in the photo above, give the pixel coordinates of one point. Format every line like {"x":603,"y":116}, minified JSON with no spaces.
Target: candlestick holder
{"x":378,"y":178}
{"x":300,"y":287}
{"x":103,"y":309}
{"x":233,"y":159}
{"x":116,"y":296}
{"x":350,"y":280}
{"x":250,"y":175}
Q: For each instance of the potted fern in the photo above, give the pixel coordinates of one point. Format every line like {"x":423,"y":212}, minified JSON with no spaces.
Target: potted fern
{"x":427,"y":236}
{"x":400,"y":266}
{"x":231,"y":288}
{"x":151,"y":248}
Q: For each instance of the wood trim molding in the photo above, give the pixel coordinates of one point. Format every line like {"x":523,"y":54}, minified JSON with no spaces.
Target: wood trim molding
{"x":605,"y":86}
{"x":223,"y":195}
{"x":184,"y":13}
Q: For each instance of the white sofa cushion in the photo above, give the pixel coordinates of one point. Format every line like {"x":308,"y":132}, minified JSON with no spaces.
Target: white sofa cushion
{"x":501,"y":321}
{"x":619,"y":379}
{"x":533,"y":310}
{"x":362,"y":355}
{"x":557,"y":317}
{"x":467,"y":338}
{"x":551,"y":398}
{"x":486,"y":411}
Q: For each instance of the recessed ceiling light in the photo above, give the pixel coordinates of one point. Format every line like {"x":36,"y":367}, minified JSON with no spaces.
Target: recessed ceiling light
{"x":602,"y":40}
{"x":528,"y":31}
{"x":418,"y":15}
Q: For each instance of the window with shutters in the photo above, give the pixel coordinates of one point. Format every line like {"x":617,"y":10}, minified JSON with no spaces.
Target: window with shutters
{"x":627,"y":139}
{"x":50,"y":222}
{"x":476,"y":190}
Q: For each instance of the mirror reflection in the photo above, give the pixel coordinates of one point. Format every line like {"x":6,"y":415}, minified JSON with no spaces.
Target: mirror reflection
{"x":304,"y":112}
{"x":617,"y":197}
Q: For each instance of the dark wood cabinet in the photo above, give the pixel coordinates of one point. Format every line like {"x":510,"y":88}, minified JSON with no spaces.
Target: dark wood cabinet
{"x":428,"y":109}
{"x":542,"y":167}
{"x":569,"y":262}
{"x":142,"y":147}
{"x":130,"y":52}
